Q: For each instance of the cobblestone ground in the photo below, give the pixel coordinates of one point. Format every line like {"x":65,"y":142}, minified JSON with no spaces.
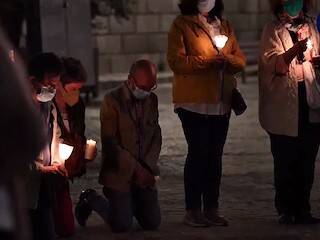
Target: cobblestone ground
{"x":247,"y":184}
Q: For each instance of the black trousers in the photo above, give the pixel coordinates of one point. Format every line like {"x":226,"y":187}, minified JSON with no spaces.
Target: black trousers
{"x":119,"y":208}
{"x":294,"y":163}
{"x":205,"y":136}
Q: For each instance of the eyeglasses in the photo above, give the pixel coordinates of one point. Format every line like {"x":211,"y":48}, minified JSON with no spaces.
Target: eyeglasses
{"x":145,"y":89}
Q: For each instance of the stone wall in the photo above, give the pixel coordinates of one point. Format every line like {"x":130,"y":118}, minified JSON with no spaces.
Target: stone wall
{"x":144,"y":35}
{"x":247,"y":17}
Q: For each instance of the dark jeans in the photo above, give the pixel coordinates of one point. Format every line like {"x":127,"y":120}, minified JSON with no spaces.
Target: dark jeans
{"x":294,"y":163}
{"x":41,"y":218}
{"x":205,"y":136}
{"x":120,"y":207}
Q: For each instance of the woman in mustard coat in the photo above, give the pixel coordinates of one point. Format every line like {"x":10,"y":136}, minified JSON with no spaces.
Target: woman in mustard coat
{"x":202,"y":99}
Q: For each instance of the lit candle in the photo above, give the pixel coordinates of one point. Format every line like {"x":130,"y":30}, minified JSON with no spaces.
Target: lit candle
{"x":90,"y":149}
{"x":65,"y":151}
{"x":309,"y":44}
{"x":220,"y":41}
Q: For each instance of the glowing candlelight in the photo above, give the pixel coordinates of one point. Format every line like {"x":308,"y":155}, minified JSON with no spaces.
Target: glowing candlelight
{"x":309,"y":44}
{"x":65,"y":151}
{"x":90,"y":149}
{"x":220,"y":41}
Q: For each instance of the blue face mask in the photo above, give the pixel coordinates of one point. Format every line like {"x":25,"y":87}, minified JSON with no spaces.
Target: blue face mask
{"x":293,"y":7}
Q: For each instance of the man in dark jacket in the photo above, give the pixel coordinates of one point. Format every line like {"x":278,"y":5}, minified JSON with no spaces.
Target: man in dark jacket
{"x":131,"y":144}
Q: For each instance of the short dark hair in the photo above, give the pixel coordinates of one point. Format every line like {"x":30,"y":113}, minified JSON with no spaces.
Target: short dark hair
{"x":190,"y":7}
{"x":277,"y":6}
{"x":73,"y":71}
{"x":141,"y":64}
{"x":42,"y":64}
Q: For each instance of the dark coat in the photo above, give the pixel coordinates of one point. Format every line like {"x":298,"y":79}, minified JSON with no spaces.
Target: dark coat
{"x":119,"y":136}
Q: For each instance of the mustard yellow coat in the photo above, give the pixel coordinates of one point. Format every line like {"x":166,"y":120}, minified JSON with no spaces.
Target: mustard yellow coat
{"x":190,"y":56}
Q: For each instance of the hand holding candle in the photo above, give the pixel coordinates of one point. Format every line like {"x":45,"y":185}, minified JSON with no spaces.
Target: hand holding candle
{"x":91,"y":150}
{"x":220,"y":42}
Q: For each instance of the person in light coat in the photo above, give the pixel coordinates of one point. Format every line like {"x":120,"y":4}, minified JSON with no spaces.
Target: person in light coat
{"x":289,"y":106}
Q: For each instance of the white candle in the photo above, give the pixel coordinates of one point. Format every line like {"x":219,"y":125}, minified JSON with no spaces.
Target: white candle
{"x":90,"y":149}
{"x":65,"y":151}
{"x":220,"y":41}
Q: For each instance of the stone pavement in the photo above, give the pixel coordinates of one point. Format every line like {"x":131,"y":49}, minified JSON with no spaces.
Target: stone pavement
{"x":247,"y":184}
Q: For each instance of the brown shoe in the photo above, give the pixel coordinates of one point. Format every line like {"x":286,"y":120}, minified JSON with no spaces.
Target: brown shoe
{"x":215,"y":219}
{"x":195,"y":218}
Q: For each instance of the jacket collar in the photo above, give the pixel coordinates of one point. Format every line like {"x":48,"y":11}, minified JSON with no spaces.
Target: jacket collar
{"x":130,"y":102}
{"x":195,"y":20}
{"x":197,"y":23}
{"x":126,"y":93}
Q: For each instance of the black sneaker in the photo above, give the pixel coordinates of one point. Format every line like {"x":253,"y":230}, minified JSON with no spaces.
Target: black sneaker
{"x":195,"y":218}
{"x":83,"y":210}
{"x":307,"y":220}
{"x":286,"y":219}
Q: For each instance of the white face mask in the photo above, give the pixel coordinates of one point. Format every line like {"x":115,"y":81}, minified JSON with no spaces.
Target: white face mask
{"x":205,"y":6}
{"x":46,"y":94}
{"x":140,"y":94}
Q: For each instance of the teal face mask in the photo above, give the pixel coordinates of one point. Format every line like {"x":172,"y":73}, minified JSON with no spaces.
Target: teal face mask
{"x":293,"y":7}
